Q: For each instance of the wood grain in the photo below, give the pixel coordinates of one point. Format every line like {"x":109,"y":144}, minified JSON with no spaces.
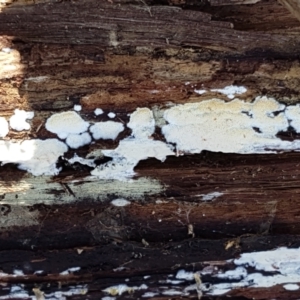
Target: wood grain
{"x":293,"y":6}
{"x":113,"y":55}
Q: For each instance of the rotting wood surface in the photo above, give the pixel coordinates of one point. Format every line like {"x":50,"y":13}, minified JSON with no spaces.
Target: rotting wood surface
{"x":113,"y":56}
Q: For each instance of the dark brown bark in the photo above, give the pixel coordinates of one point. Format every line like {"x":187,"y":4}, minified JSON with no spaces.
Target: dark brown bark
{"x":112,"y":55}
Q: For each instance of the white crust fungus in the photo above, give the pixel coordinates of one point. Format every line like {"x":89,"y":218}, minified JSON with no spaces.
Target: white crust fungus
{"x":77,"y":107}
{"x":282,"y":263}
{"x":120,"y":202}
{"x":4,"y":129}
{"x":213,"y":125}
{"x":98,"y":111}
{"x":127,"y":155}
{"x":211,"y":196}
{"x":229,"y":127}
{"x":35,"y":156}
{"x":133,"y":149}
{"x":231,"y":90}
{"x":200,"y":92}
{"x":182,"y":274}
{"x":6,"y":50}
{"x":293,"y":114}
{"x":78,"y":140}
{"x":111,"y":115}
{"x":291,"y":287}
{"x":18,"y":120}
{"x":142,"y":123}
{"x":66,"y":123}
{"x":106,"y":130}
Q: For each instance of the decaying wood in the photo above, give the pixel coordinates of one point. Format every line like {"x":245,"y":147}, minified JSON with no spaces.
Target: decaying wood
{"x":120,"y":55}
{"x":293,"y":6}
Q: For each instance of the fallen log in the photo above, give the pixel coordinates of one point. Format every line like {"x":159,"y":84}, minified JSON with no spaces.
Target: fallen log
{"x":149,"y":150}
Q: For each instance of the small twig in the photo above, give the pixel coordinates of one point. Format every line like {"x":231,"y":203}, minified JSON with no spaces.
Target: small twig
{"x":293,"y":6}
{"x":67,"y":189}
{"x":147,"y":7}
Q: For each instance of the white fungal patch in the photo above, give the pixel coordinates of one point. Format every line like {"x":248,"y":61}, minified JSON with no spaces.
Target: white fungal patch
{"x":200,"y":92}
{"x":175,"y":282}
{"x":98,"y":111}
{"x":38,"y":272}
{"x":237,"y":274}
{"x":283,"y":260}
{"x":77,"y":107}
{"x":149,"y":295}
{"x":18,"y":272}
{"x":64,"y":295}
{"x":142,"y":123}
{"x":35,"y":156}
{"x":133,"y":149}
{"x":182,"y":274}
{"x":120,"y":202}
{"x":106,"y":130}
{"x":16,"y":292}
{"x":127,"y":155}
{"x":211,"y":196}
{"x":18,"y":120}
{"x":6,"y":50}
{"x":233,"y":127}
{"x":213,"y":125}
{"x":291,"y":287}
{"x":4,"y":129}
{"x":293,"y":114}
{"x":231,"y":91}
{"x":283,"y":265}
{"x":70,"y":271}
{"x":78,"y":140}
{"x":66,"y":123}
{"x":171,"y":292}
{"x":111,"y":115}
